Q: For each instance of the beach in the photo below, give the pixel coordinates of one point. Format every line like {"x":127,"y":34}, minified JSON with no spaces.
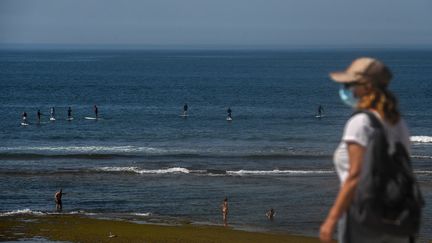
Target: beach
{"x":145,"y":163}
{"x":84,"y":229}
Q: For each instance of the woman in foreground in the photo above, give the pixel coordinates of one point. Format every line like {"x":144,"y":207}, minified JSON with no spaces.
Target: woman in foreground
{"x":364,"y":87}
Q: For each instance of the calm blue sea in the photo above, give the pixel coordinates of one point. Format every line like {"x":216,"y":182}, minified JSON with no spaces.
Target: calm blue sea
{"x":144,"y":162}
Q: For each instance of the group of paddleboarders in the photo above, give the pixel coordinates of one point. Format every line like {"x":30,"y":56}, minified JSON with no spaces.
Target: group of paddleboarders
{"x":52,"y":115}
{"x":96,"y":112}
{"x":229,"y":111}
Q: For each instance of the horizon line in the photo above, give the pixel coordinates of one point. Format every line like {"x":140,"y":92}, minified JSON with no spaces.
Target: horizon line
{"x":58,"y":46}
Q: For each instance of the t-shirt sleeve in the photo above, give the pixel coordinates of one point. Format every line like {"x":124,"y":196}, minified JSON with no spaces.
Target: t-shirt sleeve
{"x":358,"y":130}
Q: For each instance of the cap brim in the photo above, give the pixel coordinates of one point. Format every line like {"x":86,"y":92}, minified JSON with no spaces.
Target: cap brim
{"x":344,"y":77}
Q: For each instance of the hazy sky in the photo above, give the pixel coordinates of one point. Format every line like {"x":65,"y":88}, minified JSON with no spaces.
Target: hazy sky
{"x":217,"y":22}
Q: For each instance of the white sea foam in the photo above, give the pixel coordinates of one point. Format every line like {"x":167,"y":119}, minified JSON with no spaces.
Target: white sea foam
{"x":279,"y":172}
{"x":421,"y":139}
{"x":28,"y":211}
{"x":421,"y":157}
{"x":142,"y":214}
{"x":426,"y":172}
{"x":144,"y":171}
{"x":78,"y":212}
{"x":85,"y":149}
{"x":119,"y":169}
{"x":119,"y":150}
{"x":180,"y":170}
{"x":22,"y":211}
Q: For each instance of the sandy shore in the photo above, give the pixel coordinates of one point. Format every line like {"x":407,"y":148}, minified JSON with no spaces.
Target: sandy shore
{"x":74,"y":228}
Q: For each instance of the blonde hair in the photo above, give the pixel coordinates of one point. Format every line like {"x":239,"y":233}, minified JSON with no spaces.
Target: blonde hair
{"x":383,"y":101}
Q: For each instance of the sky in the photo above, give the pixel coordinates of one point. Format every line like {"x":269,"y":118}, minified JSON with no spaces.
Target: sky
{"x":277,"y":23}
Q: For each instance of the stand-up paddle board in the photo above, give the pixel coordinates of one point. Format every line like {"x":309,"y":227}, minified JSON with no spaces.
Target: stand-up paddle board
{"x":92,"y":118}
{"x":52,"y":119}
{"x":229,"y":118}
{"x":319,"y":116}
{"x":183,"y":115}
{"x":24,"y":124}
{"x":69,"y":119}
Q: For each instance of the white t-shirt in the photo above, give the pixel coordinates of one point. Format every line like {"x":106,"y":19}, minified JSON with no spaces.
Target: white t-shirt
{"x":358,"y":130}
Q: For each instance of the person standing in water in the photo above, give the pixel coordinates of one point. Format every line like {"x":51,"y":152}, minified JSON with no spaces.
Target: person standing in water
{"x":229,"y":111}
{"x":52,"y":112}
{"x":58,"y":200}
{"x":320,"y":111}
{"x":224,"y":208}
{"x":185,"y":109}
{"x":39,"y":115}
{"x":95,"y":108}
{"x":24,"y":117}
{"x":70,"y":113}
{"x":270,"y":214}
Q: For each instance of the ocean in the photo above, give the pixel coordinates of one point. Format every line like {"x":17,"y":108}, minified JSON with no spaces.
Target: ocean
{"x":142,"y":161}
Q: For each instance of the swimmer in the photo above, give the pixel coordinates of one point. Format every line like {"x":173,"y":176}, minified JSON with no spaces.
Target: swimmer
{"x":224,"y":208}
{"x":270,"y":214}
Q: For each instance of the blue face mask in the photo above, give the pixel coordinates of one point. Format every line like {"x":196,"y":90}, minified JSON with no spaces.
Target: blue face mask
{"x":347,"y":97}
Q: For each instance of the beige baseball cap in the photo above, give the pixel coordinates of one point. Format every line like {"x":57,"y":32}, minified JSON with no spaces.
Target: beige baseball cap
{"x":363,"y":70}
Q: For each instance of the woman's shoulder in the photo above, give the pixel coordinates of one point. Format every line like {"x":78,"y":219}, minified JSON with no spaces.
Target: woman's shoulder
{"x":358,"y":129}
{"x":358,"y":120}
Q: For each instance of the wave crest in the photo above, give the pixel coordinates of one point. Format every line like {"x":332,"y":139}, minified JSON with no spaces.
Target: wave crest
{"x":142,"y":214}
{"x":26,"y":211}
{"x":110,"y":152}
{"x":421,"y":157}
{"x":423,"y":172}
{"x":421,"y":139}
{"x":143,"y":171}
{"x":211,"y":172}
{"x":85,"y":149}
{"x":279,"y":172}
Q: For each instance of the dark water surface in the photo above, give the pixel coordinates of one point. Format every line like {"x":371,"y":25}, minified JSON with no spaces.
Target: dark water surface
{"x":143,"y":159}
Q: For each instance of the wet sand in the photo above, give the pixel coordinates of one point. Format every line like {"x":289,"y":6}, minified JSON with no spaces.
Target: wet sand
{"x":74,"y":228}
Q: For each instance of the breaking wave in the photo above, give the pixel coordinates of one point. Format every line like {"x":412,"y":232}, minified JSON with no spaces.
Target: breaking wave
{"x":279,"y":172}
{"x":110,"y":152}
{"x":28,"y":211}
{"x":25,"y":211}
{"x":421,"y":139}
{"x":168,"y":171}
{"x":181,"y":170}
{"x":82,"y":149}
{"x":144,"y":171}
